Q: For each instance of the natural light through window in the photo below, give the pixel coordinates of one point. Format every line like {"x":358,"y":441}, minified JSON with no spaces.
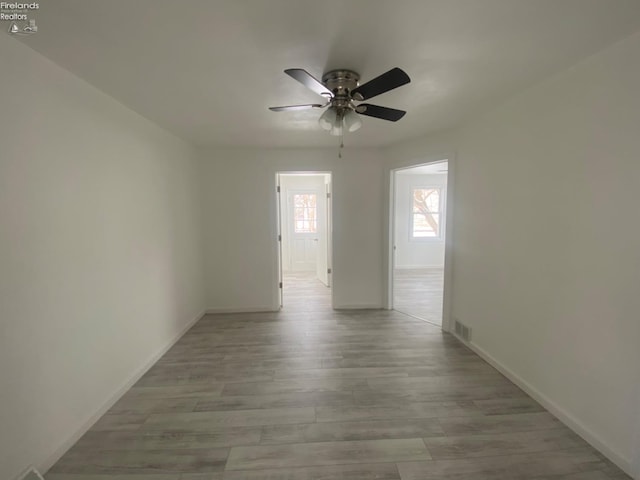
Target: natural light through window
{"x":425,"y":218}
{"x":304,"y":213}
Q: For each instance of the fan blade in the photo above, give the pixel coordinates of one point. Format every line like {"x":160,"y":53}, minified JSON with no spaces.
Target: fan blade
{"x":377,"y":111}
{"x":394,"y":78}
{"x":290,"y":108}
{"x":309,"y":81}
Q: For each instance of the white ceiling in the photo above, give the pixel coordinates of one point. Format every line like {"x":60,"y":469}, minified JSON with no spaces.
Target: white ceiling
{"x":208,"y":69}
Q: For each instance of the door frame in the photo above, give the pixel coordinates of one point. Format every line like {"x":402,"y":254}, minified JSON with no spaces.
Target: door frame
{"x":448,"y":224}
{"x":279,"y":280}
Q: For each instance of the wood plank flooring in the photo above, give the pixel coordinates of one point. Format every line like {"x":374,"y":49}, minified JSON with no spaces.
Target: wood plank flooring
{"x":418,"y":292}
{"x":314,"y":394}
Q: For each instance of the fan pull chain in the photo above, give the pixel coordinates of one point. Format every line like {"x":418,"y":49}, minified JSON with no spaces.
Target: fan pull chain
{"x":341,"y":144}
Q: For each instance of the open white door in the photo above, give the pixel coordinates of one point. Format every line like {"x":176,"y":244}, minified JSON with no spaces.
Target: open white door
{"x":302,"y":224}
{"x":322,"y":262}
{"x":328,"y":187}
{"x":279,"y":233}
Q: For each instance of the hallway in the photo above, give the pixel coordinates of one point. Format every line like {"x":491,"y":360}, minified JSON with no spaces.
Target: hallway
{"x":309,"y":393}
{"x":304,"y":292}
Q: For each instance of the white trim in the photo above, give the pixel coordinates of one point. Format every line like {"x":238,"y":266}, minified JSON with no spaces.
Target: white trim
{"x":87,"y":424}
{"x":635,"y":461}
{"x":278,"y":292}
{"x":565,"y":417}
{"x":279,"y":238}
{"x":447,"y":293}
{"x":418,"y":267}
{"x":214,"y":311}
{"x":271,"y":309}
{"x":362,"y":306}
{"x":391,"y":240}
{"x":31,"y":470}
{"x":389,"y":262}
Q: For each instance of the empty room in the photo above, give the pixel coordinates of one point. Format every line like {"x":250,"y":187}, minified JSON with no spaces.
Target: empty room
{"x":302,"y":240}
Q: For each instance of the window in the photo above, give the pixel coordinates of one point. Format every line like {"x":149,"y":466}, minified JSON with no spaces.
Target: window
{"x":426,"y":212}
{"x":304,"y":213}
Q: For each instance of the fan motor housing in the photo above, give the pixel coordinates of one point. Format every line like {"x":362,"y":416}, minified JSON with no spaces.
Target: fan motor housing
{"x":341,"y":82}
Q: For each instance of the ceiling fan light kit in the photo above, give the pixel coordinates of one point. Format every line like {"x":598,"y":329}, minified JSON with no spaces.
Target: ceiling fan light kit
{"x":341,"y":90}
{"x":328,"y":118}
{"x":336,"y":122}
{"x":352,"y":121}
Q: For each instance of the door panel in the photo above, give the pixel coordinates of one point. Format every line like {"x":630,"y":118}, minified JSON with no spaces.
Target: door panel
{"x":322,"y":264}
{"x":303,"y":253}
{"x":279,"y":239}
{"x":303,"y":234}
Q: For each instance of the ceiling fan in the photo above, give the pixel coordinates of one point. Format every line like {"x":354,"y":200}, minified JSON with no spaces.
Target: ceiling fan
{"x":341,"y":90}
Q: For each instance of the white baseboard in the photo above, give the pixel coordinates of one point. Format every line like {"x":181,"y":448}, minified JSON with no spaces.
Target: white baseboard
{"x":565,"y":417}
{"x":87,"y":424}
{"x":363,"y":306}
{"x":215,"y":311}
{"x":417,"y":267}
{"x":271,"y":308}
{"x":30,"y":474}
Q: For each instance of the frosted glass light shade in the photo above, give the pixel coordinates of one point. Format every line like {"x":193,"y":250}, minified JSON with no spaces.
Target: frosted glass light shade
{"x":337,"y":129}
{"x":328,"y":118}
{"x":352,"y":121}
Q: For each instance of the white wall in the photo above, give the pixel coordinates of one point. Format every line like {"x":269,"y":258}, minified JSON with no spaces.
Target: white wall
{"x":99,"y":253}
{"x":546,"y":260}
{"x":411,"y":253}
{"x":239,"y":201}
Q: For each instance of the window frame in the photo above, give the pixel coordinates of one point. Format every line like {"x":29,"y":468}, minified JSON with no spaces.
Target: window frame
{"x":441,"y":213}
{"x":293,"y":193}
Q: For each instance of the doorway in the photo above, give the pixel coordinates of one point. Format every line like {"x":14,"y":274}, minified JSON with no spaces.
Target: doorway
{"x":304,"y":234}
{"x":418,"y":240}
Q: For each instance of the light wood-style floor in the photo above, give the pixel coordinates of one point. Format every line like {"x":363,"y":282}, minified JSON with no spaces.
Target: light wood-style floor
{"x":303,"y":292}
{"x":315,"y":394}
{"x":418,"y":292}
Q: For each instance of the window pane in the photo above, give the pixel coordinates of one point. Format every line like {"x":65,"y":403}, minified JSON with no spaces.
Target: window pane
{"x":311,"y":200}
{"x":426,"y":212}
{"x":304,"y":213}
{"x":426,"y":200}
{"x":426,"y":228}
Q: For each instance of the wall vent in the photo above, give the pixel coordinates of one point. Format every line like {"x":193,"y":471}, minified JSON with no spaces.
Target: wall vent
{"x":32,"y":474}
{"x":463,"y":331}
